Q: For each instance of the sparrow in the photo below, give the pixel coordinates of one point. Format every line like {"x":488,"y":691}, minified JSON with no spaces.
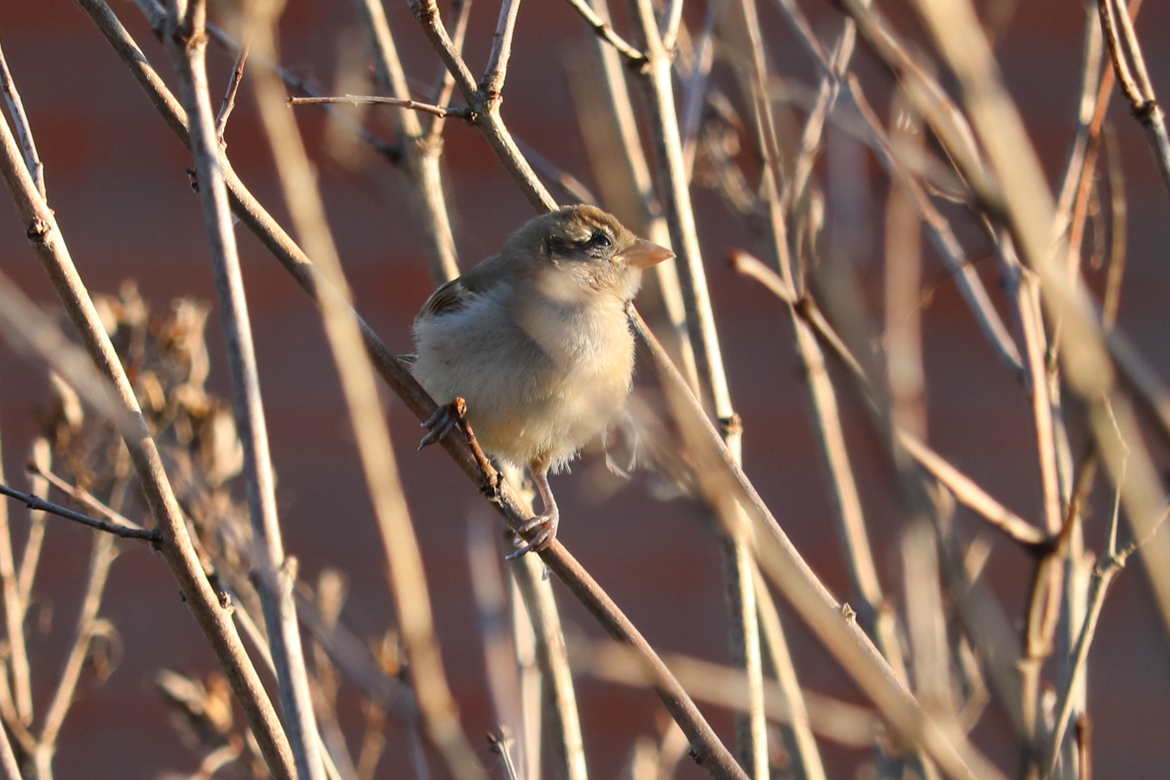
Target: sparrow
{"x":535,"y":339}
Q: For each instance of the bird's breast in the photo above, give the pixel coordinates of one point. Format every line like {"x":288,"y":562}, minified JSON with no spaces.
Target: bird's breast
{"x":541,"y":378}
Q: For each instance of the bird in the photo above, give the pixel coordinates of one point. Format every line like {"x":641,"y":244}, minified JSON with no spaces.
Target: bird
{"x":535,"y":339}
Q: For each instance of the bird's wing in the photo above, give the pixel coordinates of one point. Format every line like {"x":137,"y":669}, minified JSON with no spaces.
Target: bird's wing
{"x":450,"y":297}
{"x":454,"y":295}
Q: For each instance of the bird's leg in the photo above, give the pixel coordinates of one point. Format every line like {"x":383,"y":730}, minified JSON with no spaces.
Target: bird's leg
{"x":546,"y":521}
{"x":439,"y":424}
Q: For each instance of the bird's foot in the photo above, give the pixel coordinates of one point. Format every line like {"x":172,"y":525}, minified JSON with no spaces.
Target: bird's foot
{"x":440,"y":423}
{"x":537,"y":532}
{"x":492,"y":484}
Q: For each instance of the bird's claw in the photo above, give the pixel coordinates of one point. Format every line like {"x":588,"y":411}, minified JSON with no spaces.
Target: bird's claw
{"x":440,"y":423}
{"x":492,"y":486}
{"x":545,"y":527}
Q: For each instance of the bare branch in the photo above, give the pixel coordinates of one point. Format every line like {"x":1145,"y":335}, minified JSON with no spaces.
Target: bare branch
{"x":492,"y":83}
{"x":34,"y":502}
{"x":554,"y":664}
{"x":101,"y":559}
{"x":420,"y":149}
{"x":446,"y":81}
{"x":1103,"y":576}
{"x":356,"y":100}
{"x":15,"y":606}
{"x":229,"y":98}
{"x":1128,"y":60}
{"x":21,"y":125}
{"x":634,"y":57}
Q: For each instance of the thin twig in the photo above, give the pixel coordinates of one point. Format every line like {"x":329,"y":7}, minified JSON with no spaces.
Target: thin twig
{"x":726,"y":686}
{"x":500,"y":745}
{"x":33,"y":502}
{"x":974,"y":497}
{"x":569,"y":748}
{"x":420,"y":149}
{"x":695,"y":91}
{"x":229,"y":98}
{"x":531,"y":682}
{"x":1103,"y":576}
{"x":101,"y":559}
{"x":634,"y":57}
{"x":356,"y":100}
{"x":1092,"y":79}
{"x":83,"y":496}
{"x":446,"y":81}
{"x":775,"y":648}
{"x":40,"y":455}
{"x":501,"y":657}
{"x":1111,"y":298}
{"x":924,"y":93}
{"x":943,"y":236}
{"x":966,"y":490}
{"x":156,"y":15}
{"x":671,"y":24}
{"x":21,"y":125}
{"x":492,"y":82}
{"x":14,"y":609}
{"x":1128,"y":60}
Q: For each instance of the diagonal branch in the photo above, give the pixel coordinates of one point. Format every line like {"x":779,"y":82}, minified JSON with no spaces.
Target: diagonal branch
{"x":20,"y":122}
{"x":634,"y":57}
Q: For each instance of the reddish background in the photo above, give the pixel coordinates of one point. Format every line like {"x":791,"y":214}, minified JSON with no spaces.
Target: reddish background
{"x":116,"y":180}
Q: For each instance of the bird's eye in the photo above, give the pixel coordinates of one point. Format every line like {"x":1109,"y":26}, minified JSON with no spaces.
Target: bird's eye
{"x":600,"y":239}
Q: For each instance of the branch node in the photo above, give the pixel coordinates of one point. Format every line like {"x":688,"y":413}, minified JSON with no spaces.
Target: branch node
{"x":489,"y":97}
{"x":194,"y":41}
{"x":38,"y":231}
{"x":1146,"y":110}
{"x":731,"y":425}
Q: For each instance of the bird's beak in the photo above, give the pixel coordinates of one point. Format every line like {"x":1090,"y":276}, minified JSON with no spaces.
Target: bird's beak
{"x":645,"y":254}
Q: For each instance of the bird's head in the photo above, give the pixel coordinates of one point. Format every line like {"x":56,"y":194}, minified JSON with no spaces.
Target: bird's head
{"x":582,"y":251}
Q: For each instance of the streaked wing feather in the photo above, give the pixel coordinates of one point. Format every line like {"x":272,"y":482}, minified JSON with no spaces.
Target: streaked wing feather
{"x":454,"y":295}
{"x":450,"y":297}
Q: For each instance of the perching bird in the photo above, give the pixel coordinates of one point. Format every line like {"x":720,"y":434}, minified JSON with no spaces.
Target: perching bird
{"x":536,"y":340}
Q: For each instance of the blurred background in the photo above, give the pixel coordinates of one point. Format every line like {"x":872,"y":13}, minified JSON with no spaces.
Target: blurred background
{"x":117,"y":182}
